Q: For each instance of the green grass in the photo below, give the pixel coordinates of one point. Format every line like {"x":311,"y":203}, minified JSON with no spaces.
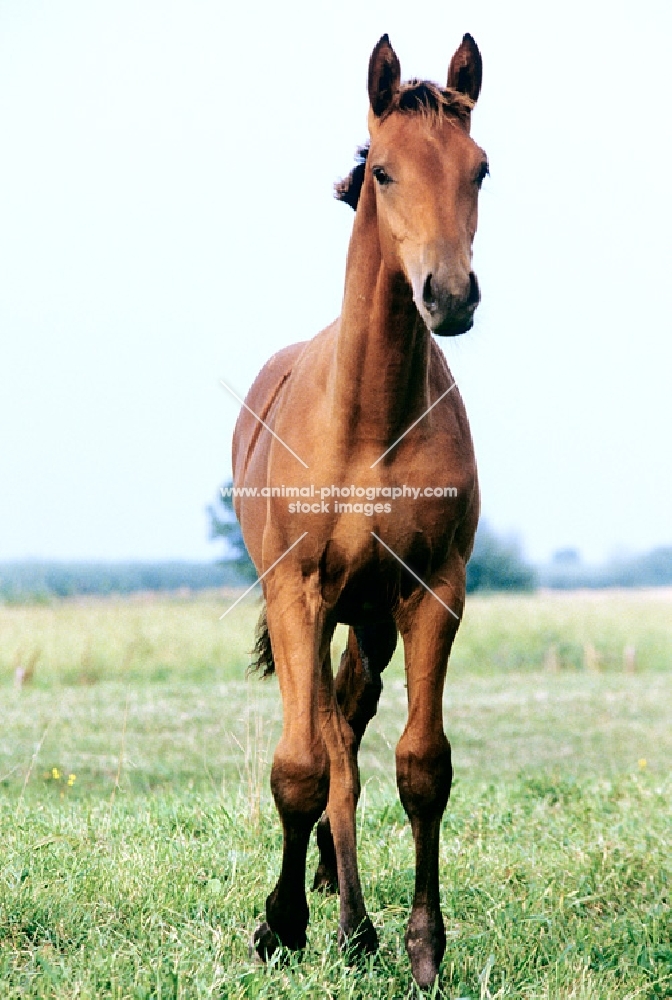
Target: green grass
{"x":145,"y":873}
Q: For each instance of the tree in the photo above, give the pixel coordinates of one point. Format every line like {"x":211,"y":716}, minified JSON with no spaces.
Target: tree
{"x":224,"y":524}
{"x":496,"y":564}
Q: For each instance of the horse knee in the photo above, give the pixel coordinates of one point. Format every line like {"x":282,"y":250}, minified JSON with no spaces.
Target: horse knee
{"x":424,"y":777}
{"x":300,"y":780}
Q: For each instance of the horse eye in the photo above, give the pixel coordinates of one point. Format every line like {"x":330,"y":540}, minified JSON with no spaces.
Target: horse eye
{"x":483,"y":172}
{"x":381,"y":176}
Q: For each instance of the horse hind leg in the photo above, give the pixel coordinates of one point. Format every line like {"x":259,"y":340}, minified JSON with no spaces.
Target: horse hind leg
{"x":355,"y":929}
{"x":357,"y":686}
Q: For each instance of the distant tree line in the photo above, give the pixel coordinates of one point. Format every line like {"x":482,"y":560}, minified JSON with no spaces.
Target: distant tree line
{"x":224,"y":524}
{"x":653,"y":569}
{"x":30,"y":581}
{"x":497,"y":564}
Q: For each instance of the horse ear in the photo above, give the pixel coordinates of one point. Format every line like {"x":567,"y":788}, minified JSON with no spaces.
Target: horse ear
{"x":384,"y":76}
{"x":465,"y":73}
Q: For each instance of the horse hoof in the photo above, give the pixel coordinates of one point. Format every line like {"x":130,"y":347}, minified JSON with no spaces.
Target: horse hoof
{"x":424,"y":967}
{"x":263,"y":943}
{"x":425,"y":944}
{"x":325,"y":880}
{"x":424,"y":971}
{"x":362,"y":941}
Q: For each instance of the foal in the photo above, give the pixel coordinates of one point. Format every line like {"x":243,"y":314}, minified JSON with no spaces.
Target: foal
{"x":369,"y":403}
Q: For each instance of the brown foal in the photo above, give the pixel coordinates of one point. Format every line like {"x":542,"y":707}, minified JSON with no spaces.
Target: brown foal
{"x":368,"y":403}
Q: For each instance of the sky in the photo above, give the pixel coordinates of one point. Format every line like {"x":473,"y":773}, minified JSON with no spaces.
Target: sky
{"x":167,"y":221}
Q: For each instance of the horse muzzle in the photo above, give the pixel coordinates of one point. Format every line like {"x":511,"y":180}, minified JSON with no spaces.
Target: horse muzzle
{"x":445,"y":313}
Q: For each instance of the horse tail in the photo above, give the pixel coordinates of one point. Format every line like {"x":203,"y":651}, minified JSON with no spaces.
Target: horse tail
{"x":263,"y":653}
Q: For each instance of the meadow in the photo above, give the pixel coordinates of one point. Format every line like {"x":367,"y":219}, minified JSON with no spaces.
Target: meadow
{"x":138,"y":839}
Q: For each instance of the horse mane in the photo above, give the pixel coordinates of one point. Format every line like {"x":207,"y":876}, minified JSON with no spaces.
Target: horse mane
{"x":349,"y":189}
{"x":414,"y":97}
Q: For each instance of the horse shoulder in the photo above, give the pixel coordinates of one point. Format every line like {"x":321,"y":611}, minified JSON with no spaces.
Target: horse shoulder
{"x":260,"y":399}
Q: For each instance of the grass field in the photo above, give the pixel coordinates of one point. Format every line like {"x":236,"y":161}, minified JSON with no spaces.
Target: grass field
{"x":138,"y":840}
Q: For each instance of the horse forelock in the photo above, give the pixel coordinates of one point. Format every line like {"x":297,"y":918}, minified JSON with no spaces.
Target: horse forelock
{"x":414,"y":97}
{"x":427,"y":98}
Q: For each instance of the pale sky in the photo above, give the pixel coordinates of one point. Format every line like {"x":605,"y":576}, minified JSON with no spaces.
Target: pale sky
{"x":167,"y":220}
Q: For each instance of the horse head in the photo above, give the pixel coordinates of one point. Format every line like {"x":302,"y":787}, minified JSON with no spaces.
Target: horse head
{"x":422,"y":173}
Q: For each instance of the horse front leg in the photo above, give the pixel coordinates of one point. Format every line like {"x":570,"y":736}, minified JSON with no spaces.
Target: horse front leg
{"x":300,"y":771}
{"x":424,"y":771}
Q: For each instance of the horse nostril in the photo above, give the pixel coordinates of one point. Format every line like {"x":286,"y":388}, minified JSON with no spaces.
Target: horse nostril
{"x":474,"y":291}
{"x":428,"y":296}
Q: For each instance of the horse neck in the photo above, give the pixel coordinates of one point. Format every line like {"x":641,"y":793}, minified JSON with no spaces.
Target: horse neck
{"x":380,"y":381}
